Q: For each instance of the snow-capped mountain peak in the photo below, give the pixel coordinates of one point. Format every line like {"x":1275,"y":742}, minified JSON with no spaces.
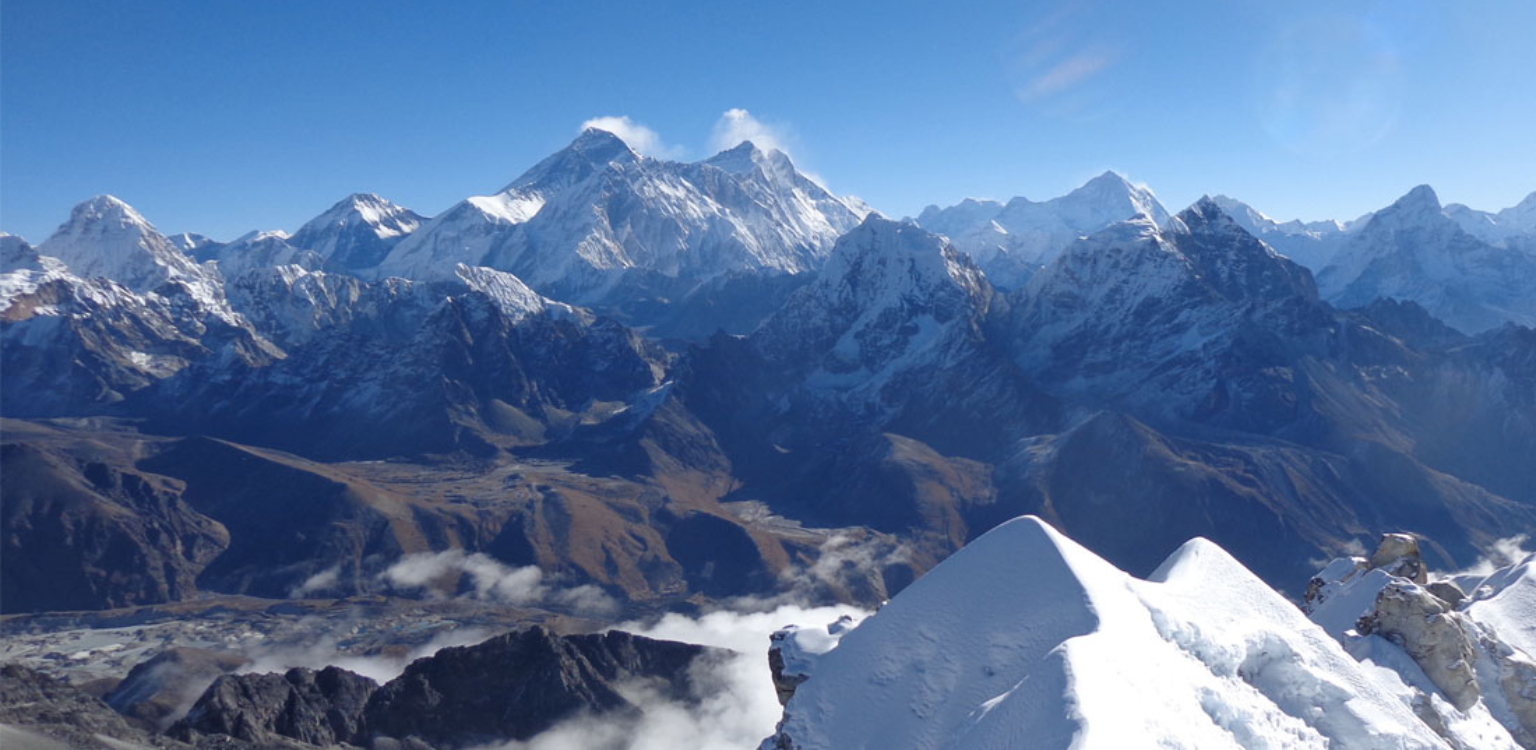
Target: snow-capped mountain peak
{"x":107,"y":238}
{"x":383,"y":218}
{"x":593,"y":150}
{"x":892,"y":298}
{"x":108,"y":208}
{"x":357,"y":232}
{"x":1415,"y":250}
{"x":1103,"y":200}
{"x":1417,"y":206}
{"x":746,"y":157}
{"x":1232,"y":261}
{"x":743,"y":157}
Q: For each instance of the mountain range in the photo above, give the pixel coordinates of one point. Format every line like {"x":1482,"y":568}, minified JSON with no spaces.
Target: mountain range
{"x":670,"y":379}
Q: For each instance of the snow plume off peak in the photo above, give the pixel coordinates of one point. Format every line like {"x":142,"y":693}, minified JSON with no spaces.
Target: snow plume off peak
{"x":639,"y":137}
{"x":738,"y":125}
{"x":489,"y":580}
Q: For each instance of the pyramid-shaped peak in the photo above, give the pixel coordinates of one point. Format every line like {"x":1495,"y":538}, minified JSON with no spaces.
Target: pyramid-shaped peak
{"x":747,"y":156}
{"x":356,"y":200}
{"x":592,"y":151}
{"x":370,"y":208}
{"x":1205,"y":213}
{"x":1109,"y":184}
{"x":1419,"y":199}
{"x":106,"y":207}
{"x":1109,"y":178}
{"x":600,"y":144}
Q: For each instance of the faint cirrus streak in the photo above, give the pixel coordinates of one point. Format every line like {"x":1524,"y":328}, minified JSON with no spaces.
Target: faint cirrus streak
{"x":1328,"y":86}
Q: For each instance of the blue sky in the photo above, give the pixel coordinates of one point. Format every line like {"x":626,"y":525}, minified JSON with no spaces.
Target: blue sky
{"x":222,"y":117}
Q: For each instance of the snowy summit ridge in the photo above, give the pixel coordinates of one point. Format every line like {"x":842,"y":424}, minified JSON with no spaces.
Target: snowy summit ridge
{"x":1026,"y":639}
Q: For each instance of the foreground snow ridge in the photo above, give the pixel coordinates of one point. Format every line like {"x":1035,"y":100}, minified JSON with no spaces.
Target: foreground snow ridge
{"x":1025,"y":639}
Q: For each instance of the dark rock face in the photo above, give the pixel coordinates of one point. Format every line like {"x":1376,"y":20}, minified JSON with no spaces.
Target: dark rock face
{"x":318,"y":708}
{"x":1406,"y":320}
{"x":519,"y":684}
{"x":86,"y":534}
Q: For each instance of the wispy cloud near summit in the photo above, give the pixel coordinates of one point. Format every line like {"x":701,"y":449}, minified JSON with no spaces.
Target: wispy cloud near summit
{"x":638,"y":136}
{"x":737,"y":125}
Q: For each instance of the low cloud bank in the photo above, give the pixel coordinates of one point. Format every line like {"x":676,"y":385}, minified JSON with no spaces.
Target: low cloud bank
{"x":484,"y":578}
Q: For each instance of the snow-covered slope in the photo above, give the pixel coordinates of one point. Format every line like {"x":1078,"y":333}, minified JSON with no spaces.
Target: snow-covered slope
{"x":1010,"y":240}
{"x":892,"y":296}
{"x":356,"y":233}
{"x":1412,"y":250}
{"x":1505,"y":601}
{"x":575,"y":223}
{"x":1026,"y":639}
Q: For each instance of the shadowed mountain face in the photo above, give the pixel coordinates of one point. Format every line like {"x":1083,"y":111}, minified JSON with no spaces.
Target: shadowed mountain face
{"x":85,"y":532}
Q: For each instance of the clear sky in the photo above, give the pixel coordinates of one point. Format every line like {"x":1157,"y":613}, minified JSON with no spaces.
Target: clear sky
{"x":222,"y":117}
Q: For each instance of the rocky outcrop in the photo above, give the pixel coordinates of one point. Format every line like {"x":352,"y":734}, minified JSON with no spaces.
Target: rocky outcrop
{"x":315,"y":707}
{"x":1398,"y":555}
{"x":516,"y":685}
{"x":1437,"y":638}
{"x":55,"y":709}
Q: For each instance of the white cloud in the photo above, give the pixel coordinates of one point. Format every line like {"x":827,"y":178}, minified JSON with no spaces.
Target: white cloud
{"x":738,"y":125}
{"x":1501,"y":554}
{"x":323,"y":581}
{"x":490,"y":580}
{"x":639,"y":137}
{"x":327,"y":649}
